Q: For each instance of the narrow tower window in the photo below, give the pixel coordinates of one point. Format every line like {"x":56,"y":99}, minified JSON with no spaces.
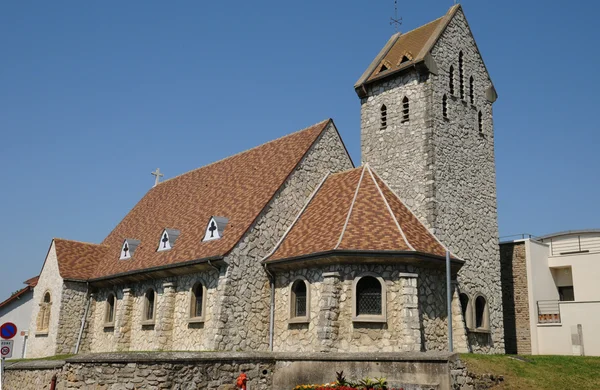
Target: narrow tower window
{"x":198,"y":301}
{"x":445,"y":106}
{"x":405,"y":110}
{"x":460,"y":75}
{"x":471,"y":97}
{"x":451,"y":80}
{"x":383,"y":117}
{"x":149,"y":306}
{"x":109,"y":317}
{"x":480,"y":121}
{"x":481,"y":313}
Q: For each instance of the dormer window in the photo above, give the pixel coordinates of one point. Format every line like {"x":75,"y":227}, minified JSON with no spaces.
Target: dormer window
{"x":215,"y":227}
{"x":383,"y":68}
{"x":167,"y":239}
{"x":128,"y":248}
{"x":404,"y":59}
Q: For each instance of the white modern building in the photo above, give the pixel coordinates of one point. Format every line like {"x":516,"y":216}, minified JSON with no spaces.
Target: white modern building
{"x":17,"y":309}
{"x":551,"y":294}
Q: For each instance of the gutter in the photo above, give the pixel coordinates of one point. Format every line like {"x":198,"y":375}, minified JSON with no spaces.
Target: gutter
{"x":272,"y":309}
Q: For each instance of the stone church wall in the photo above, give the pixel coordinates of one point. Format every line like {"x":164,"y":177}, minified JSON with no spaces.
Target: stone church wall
{"x":72,"y":308}
{"x":416,"y":312}
{"x":243,"y":306}
{"x":464,"y":175}
{"x":44,"y":343}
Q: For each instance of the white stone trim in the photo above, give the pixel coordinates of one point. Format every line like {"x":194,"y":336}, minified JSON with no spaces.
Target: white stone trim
{"x":350,"y":210}
{"x":485,"y":327}
{"x":369,"y":318}
{"x":310,"y":198}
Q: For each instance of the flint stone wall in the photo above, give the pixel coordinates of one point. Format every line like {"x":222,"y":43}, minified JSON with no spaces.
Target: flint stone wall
{"x":464,"y":173}
{"x":444,"y":169}
{"x":416,"y":312}
{"x":218,"y":371}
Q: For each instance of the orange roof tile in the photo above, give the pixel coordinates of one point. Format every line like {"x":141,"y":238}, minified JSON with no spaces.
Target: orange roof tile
{"x":355,"y":210}
{"x":238,"y":188}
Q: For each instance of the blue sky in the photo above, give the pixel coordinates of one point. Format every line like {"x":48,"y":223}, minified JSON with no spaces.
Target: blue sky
{"x":94,"y":96}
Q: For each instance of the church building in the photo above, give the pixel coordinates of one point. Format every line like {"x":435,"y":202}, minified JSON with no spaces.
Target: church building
{"x":290,"y":247}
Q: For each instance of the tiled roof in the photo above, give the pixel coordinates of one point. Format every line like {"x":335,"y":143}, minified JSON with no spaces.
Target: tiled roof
{"x":409,"y":44}
{"x":237,"y":188}
{"x":415,"y":45}
{"x":78,"y":260}
{"x":356,"y":210}
{"x":31,"y":283}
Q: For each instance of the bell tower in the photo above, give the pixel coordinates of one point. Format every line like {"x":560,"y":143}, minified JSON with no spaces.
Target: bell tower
{"x":427,"y":130}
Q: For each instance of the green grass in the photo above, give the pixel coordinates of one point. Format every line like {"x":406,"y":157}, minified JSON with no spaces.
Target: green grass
{"x":539,"y":372}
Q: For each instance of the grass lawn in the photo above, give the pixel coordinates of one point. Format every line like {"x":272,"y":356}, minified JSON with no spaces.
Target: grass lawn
{"x":539,"y":372}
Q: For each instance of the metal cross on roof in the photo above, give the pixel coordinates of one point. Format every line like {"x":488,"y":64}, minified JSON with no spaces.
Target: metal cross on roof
{"x":397,"y":22}
{"x":157,"y":175}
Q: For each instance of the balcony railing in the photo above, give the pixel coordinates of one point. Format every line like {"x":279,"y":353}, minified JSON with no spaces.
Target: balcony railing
{"x":548,"y":312}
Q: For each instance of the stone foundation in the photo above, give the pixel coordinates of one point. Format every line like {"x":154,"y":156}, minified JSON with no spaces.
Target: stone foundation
{"x":218,"y":370}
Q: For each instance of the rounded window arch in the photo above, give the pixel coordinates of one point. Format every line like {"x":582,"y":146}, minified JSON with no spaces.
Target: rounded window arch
{"x":467,"y":312}
{"x":111,"y":309}
{"x":482,"y":313}
{"x":405,"y":109}
{"x":198,"y":301}
{"x":369,"y":299}
{"x":43,"y":318}
{"x":299,"y":300}
{"x":451,"y":81}
{"x":383,"y":117}
{"x":149,"y":306}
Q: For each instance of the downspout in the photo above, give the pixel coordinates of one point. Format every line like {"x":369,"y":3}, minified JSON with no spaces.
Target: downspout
{"x":272,"y":314}
{"x":53,"y":383}
{"x":87,"y":308}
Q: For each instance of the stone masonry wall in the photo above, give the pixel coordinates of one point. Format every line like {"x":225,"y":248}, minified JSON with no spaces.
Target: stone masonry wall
{"x":171,"y":330}
{"x":73,"y":302}
{"x":515,"y":298}
{"x":416,"y":312}
{"x":464,"y":175}
{"x":42,"y":344}
{"x":243,"y":307}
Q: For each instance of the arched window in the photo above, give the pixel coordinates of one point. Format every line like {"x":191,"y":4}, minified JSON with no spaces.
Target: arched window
{"x":383,"y":124}
{"x":461,"y":75}
{"x":299,"y":301}
{"x":471,"y":96}
{"x":149,"y":305}
{"x":480,"y":121}
{"x":198,"y":299}
{"x":43,"y":319}
{"x":405,"y":109}
{"x":111,"y":305}
{"x":445,"y":107}
{"x":369,"y":299}
{"x":465,"y":306}
{"x":451,"y":85}
{"x":481,"y":313}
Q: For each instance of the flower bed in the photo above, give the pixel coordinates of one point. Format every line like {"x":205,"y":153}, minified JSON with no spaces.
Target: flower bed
{"x":342,"y":384}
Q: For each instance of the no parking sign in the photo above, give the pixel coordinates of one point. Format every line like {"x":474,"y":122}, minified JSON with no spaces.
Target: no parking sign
{"x":8,"y":330}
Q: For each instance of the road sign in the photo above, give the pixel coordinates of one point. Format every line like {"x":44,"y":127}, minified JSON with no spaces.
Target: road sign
{"x":6,"y":348}
{"x":8,"y":330}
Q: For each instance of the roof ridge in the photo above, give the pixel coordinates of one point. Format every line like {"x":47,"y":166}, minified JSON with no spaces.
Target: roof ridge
{"x":351,"y":207}
{"x":424,"y":25}
{"x":289,"y":229}
{"x":417,"y":218}
{"x":390,"y":209}
{"x":242,"y":152}
{"x":79,"y":242}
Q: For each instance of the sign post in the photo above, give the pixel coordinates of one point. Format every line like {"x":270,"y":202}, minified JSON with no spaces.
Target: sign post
{"x":8,"y":330}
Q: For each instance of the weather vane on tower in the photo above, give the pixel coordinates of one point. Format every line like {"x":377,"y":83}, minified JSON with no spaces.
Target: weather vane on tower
{"x":397,"y":22}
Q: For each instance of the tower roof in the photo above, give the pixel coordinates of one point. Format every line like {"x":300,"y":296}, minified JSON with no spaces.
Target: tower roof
{"x":403,"y":51}
{"x":356,"y":211}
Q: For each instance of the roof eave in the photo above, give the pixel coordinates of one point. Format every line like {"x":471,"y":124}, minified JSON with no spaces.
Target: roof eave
{"x":457,"y":263}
